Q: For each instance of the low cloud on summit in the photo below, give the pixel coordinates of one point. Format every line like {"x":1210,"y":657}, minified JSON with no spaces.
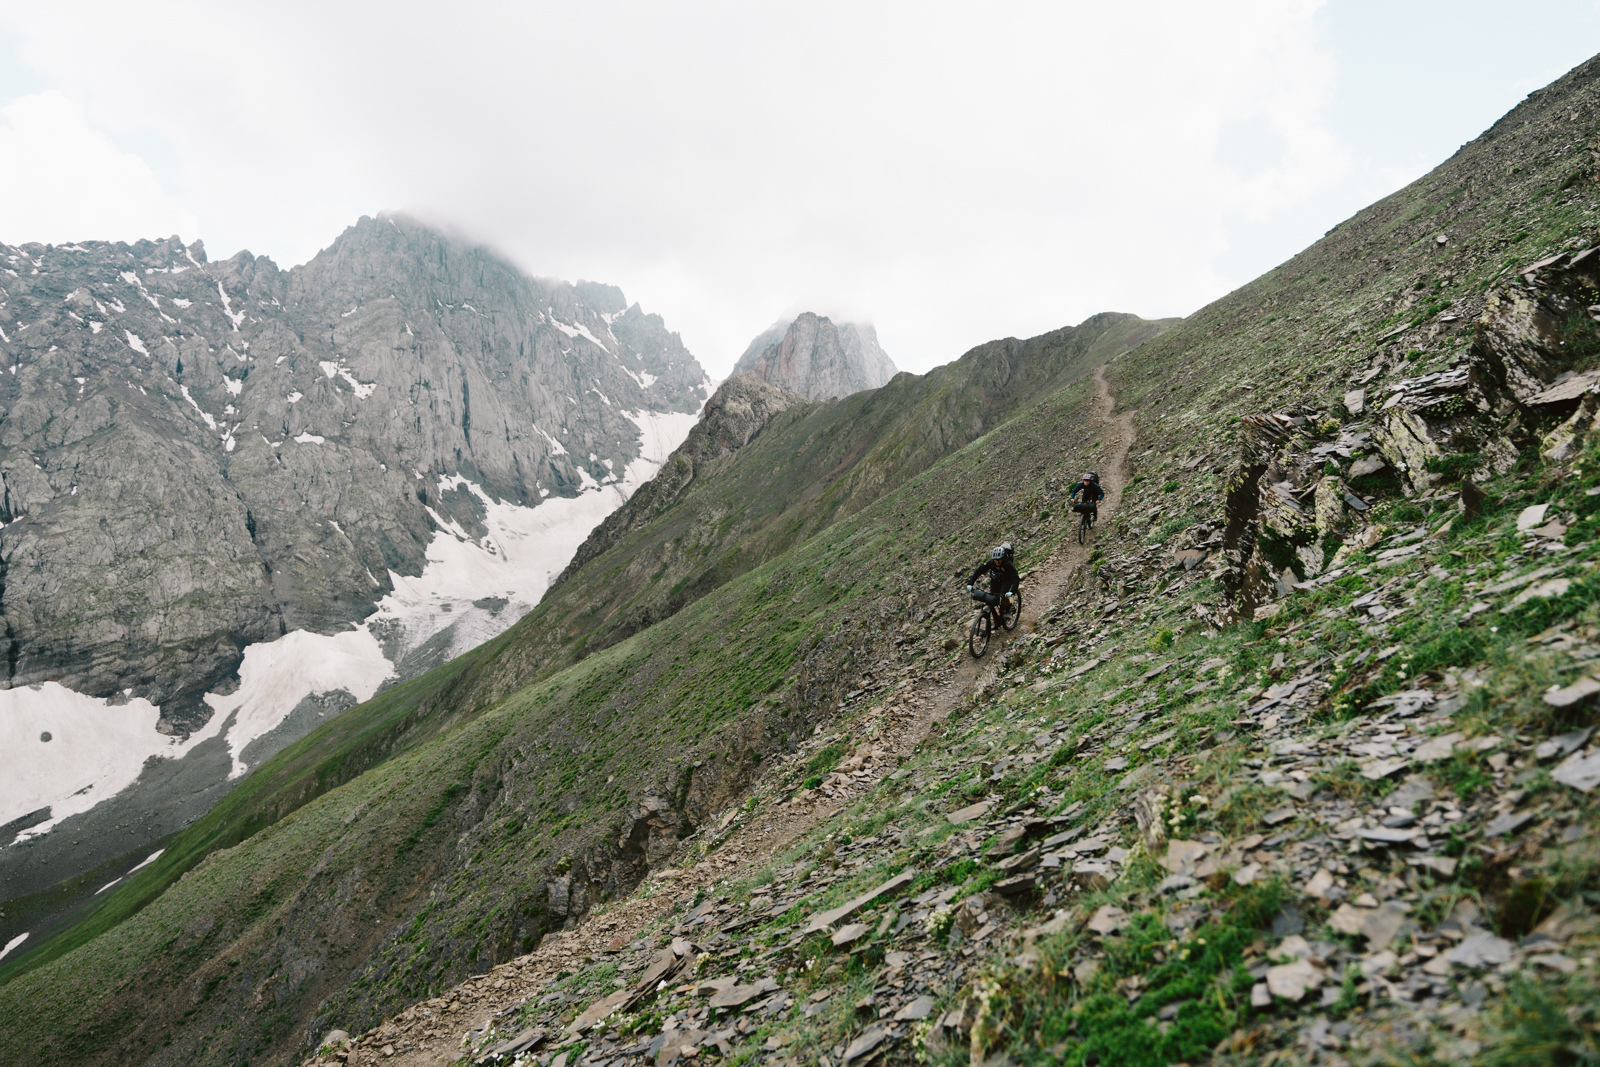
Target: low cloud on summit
{"x":954,"y":173}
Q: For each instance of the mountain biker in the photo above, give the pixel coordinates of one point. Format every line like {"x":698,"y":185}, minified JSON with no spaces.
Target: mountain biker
{"x":1092,"y":494}
{"x":1001,"y":567}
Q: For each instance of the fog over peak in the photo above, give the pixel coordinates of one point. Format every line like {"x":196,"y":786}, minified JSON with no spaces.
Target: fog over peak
{"x":949,"y":175}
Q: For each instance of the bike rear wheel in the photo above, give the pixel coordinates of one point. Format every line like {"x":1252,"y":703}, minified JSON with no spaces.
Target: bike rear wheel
{"x":1010,"y":617}
{"x":978,"y":638}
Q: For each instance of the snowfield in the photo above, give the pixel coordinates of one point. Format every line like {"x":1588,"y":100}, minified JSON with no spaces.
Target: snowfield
{"x":95,"y":749}
{"x":277,"y":675}
{"x":470,"y":590}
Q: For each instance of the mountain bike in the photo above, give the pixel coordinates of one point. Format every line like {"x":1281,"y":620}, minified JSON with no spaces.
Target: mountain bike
{"x":1004,"y":610}
{"x":1085,"y":519}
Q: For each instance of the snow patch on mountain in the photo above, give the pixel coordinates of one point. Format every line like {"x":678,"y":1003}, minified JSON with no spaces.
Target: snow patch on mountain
{"x":13,"y":943}
{"x":94,"y":749}
{"x":277,"y":675}
{"x":470,"y":590}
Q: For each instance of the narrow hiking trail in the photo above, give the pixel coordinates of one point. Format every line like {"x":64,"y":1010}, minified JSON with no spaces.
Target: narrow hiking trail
{"x":430,"y":1033}
{"x":1043,"y":585}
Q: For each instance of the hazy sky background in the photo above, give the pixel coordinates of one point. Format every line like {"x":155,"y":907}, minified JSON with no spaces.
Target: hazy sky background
{"x":955,"y":173}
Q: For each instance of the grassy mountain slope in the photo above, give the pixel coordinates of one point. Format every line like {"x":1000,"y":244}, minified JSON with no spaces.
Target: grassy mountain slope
{"x":813,"y":465}
{"x":1354,"y":827}
{"x":463,"y":851}
{"x":862,"y":446}
{"x":637,"y":713}
{"x":1287,"y":783}
{"x":1221,"y":887}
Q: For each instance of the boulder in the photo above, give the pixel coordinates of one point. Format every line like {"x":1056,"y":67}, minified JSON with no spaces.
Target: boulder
{"x":1517,"y":343}
{"x":1294,"y":980}
{"x":1480,"y":949}
{"x":1366,"y":465}
{"x":1107,"y":920}
{"x":1579,"y":771}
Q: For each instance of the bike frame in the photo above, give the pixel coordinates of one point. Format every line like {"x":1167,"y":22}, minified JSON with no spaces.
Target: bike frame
{"x":993,"y":609}
{"x":990,"y":614}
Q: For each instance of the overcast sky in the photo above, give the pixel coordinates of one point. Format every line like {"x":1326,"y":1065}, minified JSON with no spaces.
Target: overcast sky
{"x":954,"y":172}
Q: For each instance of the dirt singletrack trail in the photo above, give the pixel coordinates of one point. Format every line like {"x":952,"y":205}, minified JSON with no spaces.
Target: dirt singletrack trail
{"x":1043,"y":585}
{"x":906,"y":719}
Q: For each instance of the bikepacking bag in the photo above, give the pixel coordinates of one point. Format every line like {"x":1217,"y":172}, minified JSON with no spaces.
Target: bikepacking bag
{"x":1081,"y":508}
{"x":987,"y":598}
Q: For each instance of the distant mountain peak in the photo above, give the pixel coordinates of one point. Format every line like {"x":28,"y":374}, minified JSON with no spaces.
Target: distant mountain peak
{"x":818,"y":358}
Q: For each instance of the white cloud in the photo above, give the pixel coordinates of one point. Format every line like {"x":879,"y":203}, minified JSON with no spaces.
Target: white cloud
{"x":957,"y":172}
{"x":64,"y":181}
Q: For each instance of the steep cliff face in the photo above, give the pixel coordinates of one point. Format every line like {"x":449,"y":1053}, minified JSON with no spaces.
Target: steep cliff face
{"x":237,"y":499}
{"x":237,"y":451}
{"x":818,"y":358}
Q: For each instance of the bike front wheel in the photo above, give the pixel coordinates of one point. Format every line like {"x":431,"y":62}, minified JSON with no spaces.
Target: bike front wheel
{"x":978,"y":638}
{"x":1083,"y":527}
{"x":1014,"y":615}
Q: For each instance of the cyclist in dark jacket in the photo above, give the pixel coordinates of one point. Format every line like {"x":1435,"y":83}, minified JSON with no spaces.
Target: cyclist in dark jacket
{"x":1001,"y":567}
{"x":1092,"y":493}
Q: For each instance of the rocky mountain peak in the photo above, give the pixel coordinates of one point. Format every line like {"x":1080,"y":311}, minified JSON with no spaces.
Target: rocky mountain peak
{"x":274,"y":491}
{"x":818,"y":358}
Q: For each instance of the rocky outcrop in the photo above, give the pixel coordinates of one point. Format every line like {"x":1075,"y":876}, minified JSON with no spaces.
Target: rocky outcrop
{"x":1528,"y":379}
{"x":196,"y":456}
{"x":817,"y":358}
{"x":739,"y":410}
{"x":1518,"y":339}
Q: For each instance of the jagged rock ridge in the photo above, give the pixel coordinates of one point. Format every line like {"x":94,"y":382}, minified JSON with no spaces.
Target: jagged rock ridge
{"x":818,"y":358}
